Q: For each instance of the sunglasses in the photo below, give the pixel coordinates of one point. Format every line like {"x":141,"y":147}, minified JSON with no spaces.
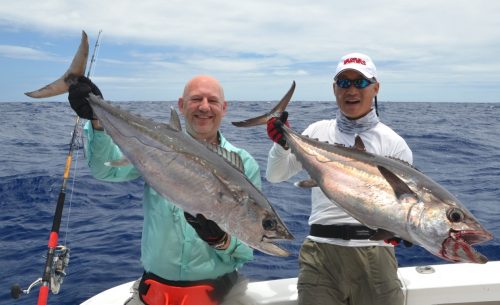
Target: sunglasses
{"x":360,"y":83}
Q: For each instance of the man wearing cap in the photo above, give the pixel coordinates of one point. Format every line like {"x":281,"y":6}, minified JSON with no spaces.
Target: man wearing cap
{"x":338,"y":263}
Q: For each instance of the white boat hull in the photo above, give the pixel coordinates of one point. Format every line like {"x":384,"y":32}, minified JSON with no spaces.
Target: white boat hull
{"x":457,"y":284}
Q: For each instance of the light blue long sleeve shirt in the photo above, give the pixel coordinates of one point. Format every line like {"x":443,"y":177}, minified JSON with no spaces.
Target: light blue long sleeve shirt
{"x":170,"y":247}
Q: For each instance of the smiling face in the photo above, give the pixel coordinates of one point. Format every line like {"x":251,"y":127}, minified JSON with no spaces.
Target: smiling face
{"x":203,"y":106}
{"x":353,"y":102}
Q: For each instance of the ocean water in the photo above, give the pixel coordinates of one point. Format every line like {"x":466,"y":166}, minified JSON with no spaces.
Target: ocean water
{"x":456,"y":144}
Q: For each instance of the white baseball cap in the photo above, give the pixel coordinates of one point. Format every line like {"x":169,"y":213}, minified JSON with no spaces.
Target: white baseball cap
{"x":359,"y":62}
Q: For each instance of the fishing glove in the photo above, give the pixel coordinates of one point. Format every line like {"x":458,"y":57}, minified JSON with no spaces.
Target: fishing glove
{"x":395,"y":241}
{"x":207,"y":230}
{"x":275,"y":129}
{"x":78,"y":94}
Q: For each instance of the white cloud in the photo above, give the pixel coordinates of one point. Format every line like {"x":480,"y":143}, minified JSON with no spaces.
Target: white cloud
{"x":18,"y":52}
{"x":410,"y":41}
{"x":308,"y":30}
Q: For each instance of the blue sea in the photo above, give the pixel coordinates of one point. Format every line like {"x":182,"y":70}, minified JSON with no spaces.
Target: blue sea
{"x":457,"y":144}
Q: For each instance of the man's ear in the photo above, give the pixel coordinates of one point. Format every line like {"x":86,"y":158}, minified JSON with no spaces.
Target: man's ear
{"x":224,"y":107}
{"x":180,"y":104}
{"x":376,"y":87}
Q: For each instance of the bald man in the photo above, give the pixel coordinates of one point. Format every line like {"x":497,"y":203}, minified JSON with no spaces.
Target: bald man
{"x":187,"y":259}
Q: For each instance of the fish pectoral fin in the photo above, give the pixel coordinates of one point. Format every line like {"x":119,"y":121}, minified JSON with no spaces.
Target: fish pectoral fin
{"x":230,"y":187}
{"x":401,"y":189}
{"x":382,"y":234}
{"x":308,"y":183}
{"x":358,"y":144}
{"x":118,"y":163}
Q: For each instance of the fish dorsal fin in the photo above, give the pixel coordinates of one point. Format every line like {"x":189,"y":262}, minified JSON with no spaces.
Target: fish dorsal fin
{"x":404,"y":162}
{"x":358,"y":144}
{"x":400,"y":188}
{"x":175,"y":121}
{"x":308,"y":183}
{"x":230,"y":156}
{"x":381,"y":234}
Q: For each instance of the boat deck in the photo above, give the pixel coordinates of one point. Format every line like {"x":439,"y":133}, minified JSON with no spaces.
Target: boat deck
{"x":450,"y":284}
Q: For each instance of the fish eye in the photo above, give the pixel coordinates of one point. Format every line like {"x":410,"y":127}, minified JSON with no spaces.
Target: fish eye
{"x":455,"y":215}
{"x":269,"y":224}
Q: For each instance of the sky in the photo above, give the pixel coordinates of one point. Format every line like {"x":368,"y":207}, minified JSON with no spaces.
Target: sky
{"x":425,"y":50}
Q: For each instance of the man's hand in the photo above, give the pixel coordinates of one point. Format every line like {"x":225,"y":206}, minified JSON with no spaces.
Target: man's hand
{"x":275,"y":129}
{"x":208,"y":230}
{"x":78,"y":94}
{"x":395,"y":241}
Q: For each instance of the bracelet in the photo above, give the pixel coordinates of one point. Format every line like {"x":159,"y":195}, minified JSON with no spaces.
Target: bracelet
{"x":222,"y":245}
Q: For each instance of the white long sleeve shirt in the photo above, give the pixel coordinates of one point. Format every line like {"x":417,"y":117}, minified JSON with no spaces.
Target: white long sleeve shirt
{"x":282,"y":165}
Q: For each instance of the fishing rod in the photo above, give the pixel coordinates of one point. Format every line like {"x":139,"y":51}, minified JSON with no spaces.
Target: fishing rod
{"x":57,"y":255}
{"x":94,"y":54}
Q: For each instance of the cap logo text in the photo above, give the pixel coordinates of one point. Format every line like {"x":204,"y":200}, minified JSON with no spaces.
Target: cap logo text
{"x":354,"y":60}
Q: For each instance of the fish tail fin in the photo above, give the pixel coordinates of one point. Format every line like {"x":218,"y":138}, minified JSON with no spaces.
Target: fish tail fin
{"x":276,"y":111}
{"x":75,"y":70}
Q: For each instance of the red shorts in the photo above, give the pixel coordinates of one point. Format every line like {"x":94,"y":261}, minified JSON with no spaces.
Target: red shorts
{"x":161,"y":294}
{"x":154,"y":290}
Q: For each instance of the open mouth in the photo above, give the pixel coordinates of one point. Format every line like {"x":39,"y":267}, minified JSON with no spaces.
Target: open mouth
{"x":203,"y":116}
{"x":458,"y":246}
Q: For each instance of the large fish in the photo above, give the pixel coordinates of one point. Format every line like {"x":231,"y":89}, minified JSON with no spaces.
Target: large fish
{"x":197,"y":177}
{"x":387,"y":195}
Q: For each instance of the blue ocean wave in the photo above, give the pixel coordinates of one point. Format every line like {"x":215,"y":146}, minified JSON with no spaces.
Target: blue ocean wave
{"x":455,"y":144}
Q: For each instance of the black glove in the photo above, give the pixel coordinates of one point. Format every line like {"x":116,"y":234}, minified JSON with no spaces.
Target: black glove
{"x":208,"y":230}
{"x":395,"y":241}
{"x":275,"y":129}
{"x":78,"y":94}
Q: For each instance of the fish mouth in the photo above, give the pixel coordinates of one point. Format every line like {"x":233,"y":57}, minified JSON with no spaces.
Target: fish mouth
{"x":268,"y":246}
{"x":266,"y":238}
{"x":457,"y":247}
{"x":472,"y":237}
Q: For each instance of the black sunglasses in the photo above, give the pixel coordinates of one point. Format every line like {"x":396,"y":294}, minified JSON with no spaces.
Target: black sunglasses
{"x":360,"y":83}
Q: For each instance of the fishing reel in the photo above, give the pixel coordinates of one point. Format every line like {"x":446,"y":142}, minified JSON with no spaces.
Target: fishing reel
{"x":57,"y":274}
